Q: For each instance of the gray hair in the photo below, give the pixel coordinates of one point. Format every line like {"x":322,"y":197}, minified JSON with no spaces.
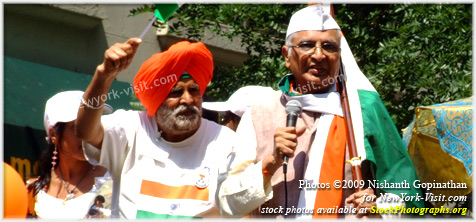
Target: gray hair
{"x":289,"y":43}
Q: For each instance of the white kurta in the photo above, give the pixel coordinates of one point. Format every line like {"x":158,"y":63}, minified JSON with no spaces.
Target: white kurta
{"x":154,"y":178}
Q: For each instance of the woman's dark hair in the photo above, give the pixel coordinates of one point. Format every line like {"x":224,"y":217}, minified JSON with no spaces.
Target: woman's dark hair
{"x":44,"y":174}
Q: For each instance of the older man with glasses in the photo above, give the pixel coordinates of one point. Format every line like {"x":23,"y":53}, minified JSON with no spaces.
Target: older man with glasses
{"x":316,"y":146}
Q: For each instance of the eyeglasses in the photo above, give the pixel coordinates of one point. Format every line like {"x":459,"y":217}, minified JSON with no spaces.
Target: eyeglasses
{"x":310,"y":48}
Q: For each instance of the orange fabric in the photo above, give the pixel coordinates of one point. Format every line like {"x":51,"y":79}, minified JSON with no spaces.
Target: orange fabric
{"x":159,"y":74}
{"x":314,"y":3}
{"x":190,"y":192}
{"x":332,"y":169}
{"x":291,"y":85}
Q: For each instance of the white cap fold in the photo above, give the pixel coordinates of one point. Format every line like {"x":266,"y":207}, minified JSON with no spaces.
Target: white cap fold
{"x":63,"y":107}
{"x":313,"y":18}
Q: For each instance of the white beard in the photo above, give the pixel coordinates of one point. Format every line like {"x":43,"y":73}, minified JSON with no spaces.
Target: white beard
{"x":176,"y":120}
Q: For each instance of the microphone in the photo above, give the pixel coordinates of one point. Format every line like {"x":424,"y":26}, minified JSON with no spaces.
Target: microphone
{"x":293,"y":109}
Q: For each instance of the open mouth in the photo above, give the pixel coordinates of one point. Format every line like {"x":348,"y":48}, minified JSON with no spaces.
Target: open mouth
{"x":316,"y":71}
{"x":189,"y":113}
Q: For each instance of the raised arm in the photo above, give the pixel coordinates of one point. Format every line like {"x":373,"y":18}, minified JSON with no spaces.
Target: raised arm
{"x":116,"y":59}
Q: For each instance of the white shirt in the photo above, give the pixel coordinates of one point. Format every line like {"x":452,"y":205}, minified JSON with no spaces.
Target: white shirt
{"x":49,"y":207}
{"x":154,"y":178}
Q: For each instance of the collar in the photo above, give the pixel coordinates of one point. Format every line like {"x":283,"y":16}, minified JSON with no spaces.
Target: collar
{"x":322,"y":102}
{"x":286,"y":85}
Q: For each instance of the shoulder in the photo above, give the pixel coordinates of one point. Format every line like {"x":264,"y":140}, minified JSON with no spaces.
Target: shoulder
{"x":267,"y":103}
{"x":267,"y":99}
{"x":216,"y":131}
{"x":122,"y":113}
{"x":211,"y":126}
{"x":124,"y":118}
{"x":220,"y":139}
{"x":266,"y":95}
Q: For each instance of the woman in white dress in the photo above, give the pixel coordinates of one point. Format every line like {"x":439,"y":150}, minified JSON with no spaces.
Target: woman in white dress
{"x":67,"y":183}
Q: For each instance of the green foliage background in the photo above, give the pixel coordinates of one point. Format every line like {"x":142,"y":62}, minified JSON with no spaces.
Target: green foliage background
{"x":417,"y":54}
{"x":414,"y":54}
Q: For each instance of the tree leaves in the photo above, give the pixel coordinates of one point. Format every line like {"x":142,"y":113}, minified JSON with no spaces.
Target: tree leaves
{"x":414,"y":54}
{"x":261,"y":30}
{"x":423,"y":55}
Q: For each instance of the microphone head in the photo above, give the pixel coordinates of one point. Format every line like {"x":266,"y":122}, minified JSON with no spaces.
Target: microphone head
{"x":293,"y":106}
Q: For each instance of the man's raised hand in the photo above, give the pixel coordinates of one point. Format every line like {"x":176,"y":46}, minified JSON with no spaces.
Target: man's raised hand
{"x":118,"y":57}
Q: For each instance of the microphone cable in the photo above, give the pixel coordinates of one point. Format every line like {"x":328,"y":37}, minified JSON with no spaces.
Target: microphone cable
{"x":285,"y":170}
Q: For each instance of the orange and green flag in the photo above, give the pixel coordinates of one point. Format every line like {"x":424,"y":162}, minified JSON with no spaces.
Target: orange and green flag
{"x":162,"y":12}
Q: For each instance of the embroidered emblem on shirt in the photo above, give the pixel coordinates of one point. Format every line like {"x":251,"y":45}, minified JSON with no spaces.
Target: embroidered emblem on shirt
{"x":203,"y":178}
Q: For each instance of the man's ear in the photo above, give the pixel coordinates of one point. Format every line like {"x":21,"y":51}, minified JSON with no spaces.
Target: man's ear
{"x":284,"y":51}
{"x":53,"y":135}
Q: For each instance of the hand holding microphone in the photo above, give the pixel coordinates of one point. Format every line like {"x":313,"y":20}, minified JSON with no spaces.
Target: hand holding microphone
{"x":293,"y":109}
{"x":286,"y":140}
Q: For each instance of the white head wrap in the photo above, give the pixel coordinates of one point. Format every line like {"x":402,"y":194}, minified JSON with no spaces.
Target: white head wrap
{"x":313,"y":18}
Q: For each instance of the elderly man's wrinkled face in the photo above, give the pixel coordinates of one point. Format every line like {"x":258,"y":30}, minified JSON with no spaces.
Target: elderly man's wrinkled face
{"x":314,"y":60}
{"x":181,"y":111}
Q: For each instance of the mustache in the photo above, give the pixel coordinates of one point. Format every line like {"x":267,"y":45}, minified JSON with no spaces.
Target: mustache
{"x":185,"y":110}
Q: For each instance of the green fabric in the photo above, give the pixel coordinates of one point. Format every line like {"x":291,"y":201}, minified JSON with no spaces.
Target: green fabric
{"x":28,"y":85}
{"x":285,"y":83}
{"x":150,"y":215}
{"x":164,"y":11}
{"x":185,"y":75}
{"x":385,"y":148}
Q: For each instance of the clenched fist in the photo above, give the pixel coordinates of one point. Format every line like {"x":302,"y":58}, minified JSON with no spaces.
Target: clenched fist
{"x":118,"y":57}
